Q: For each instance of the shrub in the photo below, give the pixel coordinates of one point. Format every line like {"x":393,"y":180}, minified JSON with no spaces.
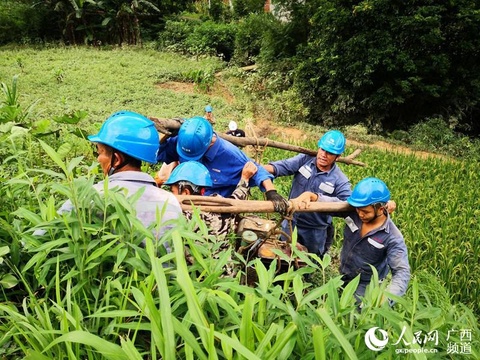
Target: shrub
{"x":199,"y":38}
{"x":436,"y":135}
{"x":219,"y":11}
{"x":23,"y":22}
{"x":174,"y":35}
{"x":287,"y":107}
{"x":211,"y":38}
{"x":242,"y":8}
{"x":249,"y":37}
{"x":392,"y":63}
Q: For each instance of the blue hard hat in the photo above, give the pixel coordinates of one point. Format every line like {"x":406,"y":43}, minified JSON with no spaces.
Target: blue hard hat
{"x":191,"y":171}
{"x":332,"y":141}
{"x":208,"y":108}
{"x":369,"y":191}
{"x":194,"y":138}
{"x":131,"y":133}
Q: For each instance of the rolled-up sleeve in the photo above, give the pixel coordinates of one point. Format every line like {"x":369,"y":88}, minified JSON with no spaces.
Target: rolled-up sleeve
{"x":260,"y":176}
{"x":289,"y":166}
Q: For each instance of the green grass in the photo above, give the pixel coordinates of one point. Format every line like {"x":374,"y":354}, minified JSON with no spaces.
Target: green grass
{"x":102,"y":82}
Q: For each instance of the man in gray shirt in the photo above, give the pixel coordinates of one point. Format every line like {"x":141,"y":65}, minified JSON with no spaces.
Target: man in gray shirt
{"x":124,"y":141}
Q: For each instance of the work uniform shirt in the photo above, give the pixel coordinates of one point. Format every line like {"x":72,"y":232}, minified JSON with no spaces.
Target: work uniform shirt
{"x":330,"y":185}
{"x":224,"y":162}
{"x":153,"y":199}
{"x":384,"y":248}
{"x":220,"y":225}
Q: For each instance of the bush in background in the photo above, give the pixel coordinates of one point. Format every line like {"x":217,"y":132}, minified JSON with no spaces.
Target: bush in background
{"x":434,"y":134}
{"x":22,"y":22}
{"x":249,"y":37}
{"x":391,"y":64}
{"x":173,"y":37}
{"x":199,"y":38}
{"x":210,"y":38}
{"x":242,"y":8}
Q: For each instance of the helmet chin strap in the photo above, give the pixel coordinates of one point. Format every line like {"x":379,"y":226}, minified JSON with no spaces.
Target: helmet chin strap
{"x":376,"y":215}
{"x":112,"y":169}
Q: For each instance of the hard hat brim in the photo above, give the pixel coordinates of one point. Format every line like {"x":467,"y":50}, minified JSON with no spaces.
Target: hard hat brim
{"x":94,"y":138}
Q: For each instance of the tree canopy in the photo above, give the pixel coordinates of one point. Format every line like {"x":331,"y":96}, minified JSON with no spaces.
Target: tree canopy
{"x":392,"y":63}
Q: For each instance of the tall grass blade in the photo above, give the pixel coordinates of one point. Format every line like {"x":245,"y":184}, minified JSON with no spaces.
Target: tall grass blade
{"x":238,"y":346}
{"x":54,"y":156}
{"x":246,"y":326}
{"x":190,"y":340}
{"x":165,"y":307}
{"x":284,"y":340}
{"x":347,"y":347}
{"x":106,"y":348}
{"x":318,"y":343}
{"x":183,"y":279}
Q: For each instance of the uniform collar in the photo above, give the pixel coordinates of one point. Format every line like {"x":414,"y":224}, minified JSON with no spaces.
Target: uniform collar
{"x":386,"y":225}
{"x":212,"y":151}
{"x":132,"y":176}
{"x":317,"y":171}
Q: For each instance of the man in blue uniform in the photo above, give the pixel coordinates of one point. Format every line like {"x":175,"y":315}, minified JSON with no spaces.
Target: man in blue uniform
{"x":196,"y":141}
{"x":320,"y":175}
{"x":371,"y":238}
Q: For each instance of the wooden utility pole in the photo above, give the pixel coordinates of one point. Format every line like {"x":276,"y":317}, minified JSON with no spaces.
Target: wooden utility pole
{"x":226,"y":205}
{"x":168,"y":127}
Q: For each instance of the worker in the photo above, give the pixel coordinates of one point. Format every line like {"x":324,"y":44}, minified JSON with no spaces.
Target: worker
{"x":125,"y":140}
{"x":209,"y":114}
{"x":197,"y":141}
{"x":320,"y":175}
{"x":193,"y":178}
{"x":370,"y":238}
{"x":233,"y":130}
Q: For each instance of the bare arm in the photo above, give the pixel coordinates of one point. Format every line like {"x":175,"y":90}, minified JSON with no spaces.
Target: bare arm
{"x":269,"y":168}
{"x":248,"y":170}
{"x":163,"y":174}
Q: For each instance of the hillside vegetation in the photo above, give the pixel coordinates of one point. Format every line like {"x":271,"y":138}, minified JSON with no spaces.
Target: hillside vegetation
{"x":388,"y":66}
{"x":86,"y":289}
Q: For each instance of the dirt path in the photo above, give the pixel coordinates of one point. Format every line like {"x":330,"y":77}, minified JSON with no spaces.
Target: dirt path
{"x":261,"y":127}
{"x":264,"y":128}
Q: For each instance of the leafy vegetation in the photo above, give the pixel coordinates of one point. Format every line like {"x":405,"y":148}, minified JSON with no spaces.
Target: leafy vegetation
{"x":84,"y":22}
{"x":84,"y":287}
{"x":108,"y":297}
{"x":391,"y":63}
{"x":382,"y":64}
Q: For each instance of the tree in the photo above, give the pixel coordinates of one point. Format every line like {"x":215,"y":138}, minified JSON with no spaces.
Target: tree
{"x":391,"y":63}
{"x":109,"y":21}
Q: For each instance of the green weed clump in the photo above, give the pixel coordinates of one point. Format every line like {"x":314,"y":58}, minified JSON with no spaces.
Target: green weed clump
{"x":84,"y":286}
